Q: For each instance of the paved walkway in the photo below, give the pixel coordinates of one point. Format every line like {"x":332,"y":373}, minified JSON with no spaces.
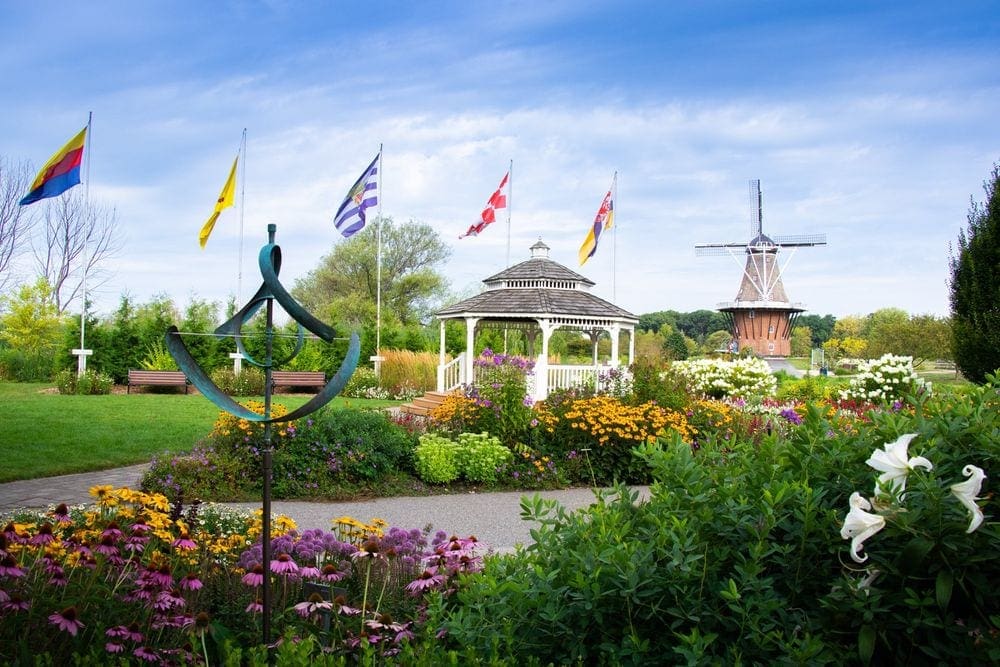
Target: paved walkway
{"x":494,"y":518}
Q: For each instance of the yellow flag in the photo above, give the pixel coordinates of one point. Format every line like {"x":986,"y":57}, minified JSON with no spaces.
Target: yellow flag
{"x":226,"y":198}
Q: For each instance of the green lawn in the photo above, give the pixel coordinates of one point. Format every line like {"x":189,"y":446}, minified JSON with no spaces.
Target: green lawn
{"x":44,"y":433}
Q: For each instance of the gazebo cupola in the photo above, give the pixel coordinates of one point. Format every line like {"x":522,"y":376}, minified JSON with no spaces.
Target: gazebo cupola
{"x":537,"y":296}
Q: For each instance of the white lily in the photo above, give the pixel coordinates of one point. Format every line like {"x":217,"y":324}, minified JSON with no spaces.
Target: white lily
{"x":968,"y":491}
{"x":859,"y":525}
{"x":893,"y":462}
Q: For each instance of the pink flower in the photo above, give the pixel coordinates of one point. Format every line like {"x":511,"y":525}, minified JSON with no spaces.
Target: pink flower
{"x":111,"y":647}
{"x":9,"y":568}
{"x":191,"y":582}
{"x":255,"y":607}
{"x":61,"y":513}
{"x":146,"y":653}
{"x":284,"y":564}
{"x":427,"y":580}
{"x":44,"y":535}
{"x":331,"y":573}
{"x":15,"y":603}
{"x":309,"y":572}
{"x":184,"y":543}
{"x":254,"y":577}
{"x":66,"y":620}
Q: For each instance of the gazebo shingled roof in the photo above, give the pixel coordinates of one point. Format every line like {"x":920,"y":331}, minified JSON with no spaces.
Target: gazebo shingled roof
{"x":535,"y":288}
{"x":538,"y":296}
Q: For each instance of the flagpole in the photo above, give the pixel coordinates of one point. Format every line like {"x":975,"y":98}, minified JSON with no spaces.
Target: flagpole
{"x":614,"y":237}
{"x":378,"y":270}
{"x":243,"y":195}
{"x":81,"y":365}
{"x":510,"y":198}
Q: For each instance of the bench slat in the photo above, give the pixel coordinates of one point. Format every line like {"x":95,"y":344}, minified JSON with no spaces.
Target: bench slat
{"x":156,"y":379}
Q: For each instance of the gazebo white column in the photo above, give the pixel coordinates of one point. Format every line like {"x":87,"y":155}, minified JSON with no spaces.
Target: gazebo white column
{"x":615,"y":332}
{"x":468,"y":373}
{"x":440,"y":368}
{"x":542,"y":363}
{"x":631,"y":346}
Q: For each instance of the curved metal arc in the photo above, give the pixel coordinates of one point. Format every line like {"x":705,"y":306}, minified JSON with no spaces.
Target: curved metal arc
{"x":223,"y":401}
{"x":201,"y":381}
{"x":270,"y":263}
{"x":333,"y":387}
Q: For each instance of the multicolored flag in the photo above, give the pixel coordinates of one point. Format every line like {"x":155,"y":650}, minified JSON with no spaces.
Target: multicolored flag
{"x":604,"y":219}
{"x":60,"y":173}
{"x":351,"y":216}
{"x":497,"y":200}
{"x":226,"y":198}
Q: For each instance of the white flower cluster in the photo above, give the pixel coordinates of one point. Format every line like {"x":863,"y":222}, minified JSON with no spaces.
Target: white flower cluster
{"x":894,"y":464}
{"x":884,"y":380}
{"x":718,"y":378}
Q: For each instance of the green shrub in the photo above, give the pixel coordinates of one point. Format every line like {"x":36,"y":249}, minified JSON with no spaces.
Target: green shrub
{"x":91,"y":382}
{"x":18,"y":366}
{"x":364,"y":384}
{"x":436,"y":459}
{"x":249,"y":382}
{"x":158,"y":358}
{"x":737,"y":557}
{"x":481,"y":457}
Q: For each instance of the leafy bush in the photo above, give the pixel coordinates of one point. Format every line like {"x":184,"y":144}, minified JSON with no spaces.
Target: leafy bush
{"x":91,"y":382}
{"x":606,"y":428}
{"x":739,"y":555}
{"x":362,"y":384}
{"x":481,"y":457}
{"x":20,"y":366}
{"x":158,"y":358}
{"x":884,"y":380}
{"x":249,"y":381}
{"x":476,"y":457}
{"x":339,"y":446}
{"x":436,"y":459}
{"x":501,"y":395}
{"x":744,"y":377}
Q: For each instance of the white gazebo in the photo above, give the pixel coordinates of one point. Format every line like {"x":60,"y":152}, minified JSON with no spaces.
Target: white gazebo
{"x":537,"y":296}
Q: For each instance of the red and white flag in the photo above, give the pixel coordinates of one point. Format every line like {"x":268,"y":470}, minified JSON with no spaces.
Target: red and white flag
{"x":497,"y":200}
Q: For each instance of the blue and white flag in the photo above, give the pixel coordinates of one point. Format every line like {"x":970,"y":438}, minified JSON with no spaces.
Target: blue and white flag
{"x":350,"y":217}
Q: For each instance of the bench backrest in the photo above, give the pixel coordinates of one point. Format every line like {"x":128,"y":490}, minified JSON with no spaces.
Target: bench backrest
{"x":136,"y":376}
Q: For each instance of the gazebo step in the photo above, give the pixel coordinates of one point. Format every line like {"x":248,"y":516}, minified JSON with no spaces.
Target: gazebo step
{"x":423,"y":406}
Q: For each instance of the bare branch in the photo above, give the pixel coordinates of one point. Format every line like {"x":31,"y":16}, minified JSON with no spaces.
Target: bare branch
{"x":16,"y":221}
{"x":72,"y":248}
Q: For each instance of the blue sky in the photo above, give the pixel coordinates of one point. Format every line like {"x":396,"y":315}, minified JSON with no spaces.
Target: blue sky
{"x":873,"y":123}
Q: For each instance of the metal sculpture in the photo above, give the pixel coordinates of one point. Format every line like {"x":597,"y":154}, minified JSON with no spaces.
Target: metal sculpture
{"x":271,"y":290}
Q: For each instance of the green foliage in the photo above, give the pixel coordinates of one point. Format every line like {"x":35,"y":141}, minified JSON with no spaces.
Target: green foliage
{"x":975,"y":287}
{"x":436,"y":459}
{"x":737,"y":556}
{"x":158,"y":358}
{"x":364,"y":384}
{"x":340,"y":445}
{"x":481,"y":457}
{"x":500,"y":395}
{"x":31,"y":327}
{"x":91,"y":382}
{"x":475,"y":457}
{"x":249,"y":382}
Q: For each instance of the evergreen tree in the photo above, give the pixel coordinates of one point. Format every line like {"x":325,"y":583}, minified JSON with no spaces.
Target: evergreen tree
{"x":975,"y":287}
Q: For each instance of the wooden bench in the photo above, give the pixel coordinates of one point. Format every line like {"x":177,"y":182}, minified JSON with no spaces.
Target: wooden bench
{"x":156,"y":379}
{"x":298,"y":379}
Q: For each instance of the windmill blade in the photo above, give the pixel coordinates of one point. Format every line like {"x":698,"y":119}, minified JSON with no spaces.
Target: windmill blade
{"x":800,"y":240}
{"x":756,"y":209}
{"x":716,"y":249}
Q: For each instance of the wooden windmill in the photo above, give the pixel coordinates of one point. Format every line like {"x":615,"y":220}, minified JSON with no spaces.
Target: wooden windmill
{"x":761,"y":317}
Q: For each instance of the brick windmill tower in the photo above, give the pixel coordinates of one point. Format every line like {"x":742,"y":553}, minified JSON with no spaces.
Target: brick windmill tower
{"x":761,"y":317}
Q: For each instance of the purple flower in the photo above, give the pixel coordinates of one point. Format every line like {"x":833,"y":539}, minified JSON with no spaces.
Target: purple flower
{"x":66,"y":620}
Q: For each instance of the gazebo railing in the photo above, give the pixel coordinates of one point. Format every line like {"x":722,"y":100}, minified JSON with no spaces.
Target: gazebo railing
{"x":450,"y":375}
{"x":562,"y":376}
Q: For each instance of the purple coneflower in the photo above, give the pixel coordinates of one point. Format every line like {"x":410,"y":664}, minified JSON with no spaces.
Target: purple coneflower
{"x":309,"y":572}
{"x":44,"y":535}
{"x":163,"y":576}
{"x":314,"y":604}
{"x":107,"y":546}
{"x":331,"y":573}
{"x":255,"y":577}
{"x":14,"y":602}
{"x":146,"y":653}
{"x":112,"y":647}
{"x":184,"y":542}
{"x":340,"y":604}
{"x":66,"y":620}
{"x":284,"y":564}
{"x":9,"y":568}
{"x":167,"y":600}
{"x":255,"y":607}
{"x":112,"y":530}
{"x":191,"y":582}
{"x":61,"y":513}
{"x":428,"y":579}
